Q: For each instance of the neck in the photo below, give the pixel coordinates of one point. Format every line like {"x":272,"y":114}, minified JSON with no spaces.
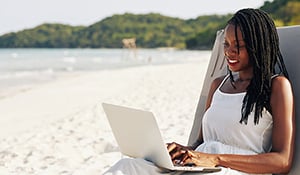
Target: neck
{"x":242,"y":78}
{"x":245,"y":76}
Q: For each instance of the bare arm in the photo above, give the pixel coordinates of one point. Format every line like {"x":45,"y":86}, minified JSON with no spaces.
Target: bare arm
{"x":279,"y":160}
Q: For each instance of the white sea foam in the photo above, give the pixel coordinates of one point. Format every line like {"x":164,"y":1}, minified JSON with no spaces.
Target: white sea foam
{"x":14,"y":55}
{"x":70,"y":60}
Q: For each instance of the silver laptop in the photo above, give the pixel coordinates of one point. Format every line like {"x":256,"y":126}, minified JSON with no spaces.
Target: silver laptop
{"x":137,"y":134}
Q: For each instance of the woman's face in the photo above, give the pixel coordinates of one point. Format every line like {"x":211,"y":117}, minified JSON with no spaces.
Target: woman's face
{"x":235,"y":50}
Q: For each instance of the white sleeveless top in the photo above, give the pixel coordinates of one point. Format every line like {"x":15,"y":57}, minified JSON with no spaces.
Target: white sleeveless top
{"x":224,"y":134}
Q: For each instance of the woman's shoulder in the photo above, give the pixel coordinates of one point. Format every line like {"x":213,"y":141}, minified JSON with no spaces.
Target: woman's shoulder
{"x":280,"y":82}
{"x":281,"y":86}
{"x":213,"y":87}
{"x":217,"y":82}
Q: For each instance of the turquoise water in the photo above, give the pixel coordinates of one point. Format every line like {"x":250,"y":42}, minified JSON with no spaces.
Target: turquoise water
{"x":24,"y":67}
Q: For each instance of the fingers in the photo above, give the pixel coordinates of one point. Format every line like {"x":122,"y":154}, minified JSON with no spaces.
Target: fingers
{"x":181,"y":155}
{"x":185,"y":157}
{"x":193,"y":158}
{"x":188,"y":159}
{"x":178,"y":155}
{"x":174,"y":149}
{"x":176,"y":152}
{"x":171,"y":146}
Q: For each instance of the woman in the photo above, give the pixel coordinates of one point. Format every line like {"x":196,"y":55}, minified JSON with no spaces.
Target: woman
{"x":248,"y":126}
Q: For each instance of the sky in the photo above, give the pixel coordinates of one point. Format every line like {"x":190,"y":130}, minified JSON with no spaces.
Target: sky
{"x":17,"y":15}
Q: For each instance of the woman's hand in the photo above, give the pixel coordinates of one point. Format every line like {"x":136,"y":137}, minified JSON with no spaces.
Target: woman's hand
{"x":177,"y":152}
{"x":183,"y":155}
{"x":199,"y":159}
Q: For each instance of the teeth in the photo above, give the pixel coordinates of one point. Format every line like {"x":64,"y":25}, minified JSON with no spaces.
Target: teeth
{"x":232,"y":61}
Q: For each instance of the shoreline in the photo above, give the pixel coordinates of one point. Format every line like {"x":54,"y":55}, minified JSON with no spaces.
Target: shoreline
{"x":60,"y":127}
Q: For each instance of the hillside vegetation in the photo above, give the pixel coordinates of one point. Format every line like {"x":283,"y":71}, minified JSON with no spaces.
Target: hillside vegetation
{"x":150,"y":30}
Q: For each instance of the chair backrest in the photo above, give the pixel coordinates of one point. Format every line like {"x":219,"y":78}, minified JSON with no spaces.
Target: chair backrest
{"x":289,"y":38}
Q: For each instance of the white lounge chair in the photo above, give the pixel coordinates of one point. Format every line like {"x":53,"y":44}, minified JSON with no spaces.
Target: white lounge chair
{"x":289,"y":38}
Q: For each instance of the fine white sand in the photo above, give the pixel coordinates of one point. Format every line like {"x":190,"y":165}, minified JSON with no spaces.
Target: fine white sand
{"x":60,"y":127}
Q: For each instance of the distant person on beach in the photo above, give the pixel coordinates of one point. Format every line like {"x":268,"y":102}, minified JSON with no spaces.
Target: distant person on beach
{"x":249,"y":123}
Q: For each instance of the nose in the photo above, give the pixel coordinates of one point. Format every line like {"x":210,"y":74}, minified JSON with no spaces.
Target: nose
{"x":230,"y":51}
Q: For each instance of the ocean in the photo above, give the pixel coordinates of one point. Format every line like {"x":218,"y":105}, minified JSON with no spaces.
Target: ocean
{"x":23,"y":68}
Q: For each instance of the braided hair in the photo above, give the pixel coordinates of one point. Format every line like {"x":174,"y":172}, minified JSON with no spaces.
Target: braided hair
{"x":262,"y":44}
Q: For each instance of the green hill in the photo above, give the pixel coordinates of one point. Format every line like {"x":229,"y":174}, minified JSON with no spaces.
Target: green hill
{"x":150,"y":30}
{"x":43,"y":36}
{"x":284,"y":12}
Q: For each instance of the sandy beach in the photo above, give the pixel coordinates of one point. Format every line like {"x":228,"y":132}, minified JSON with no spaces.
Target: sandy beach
{"x":59,"y":128}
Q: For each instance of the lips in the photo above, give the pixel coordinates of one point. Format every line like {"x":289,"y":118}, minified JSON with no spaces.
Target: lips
{"x":232,"y":61}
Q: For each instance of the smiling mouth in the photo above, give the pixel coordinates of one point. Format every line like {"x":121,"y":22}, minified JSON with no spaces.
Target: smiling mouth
{"x":232,"y":61}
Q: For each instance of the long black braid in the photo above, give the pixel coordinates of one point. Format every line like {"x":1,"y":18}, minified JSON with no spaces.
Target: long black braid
{"x":262,"y":44}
